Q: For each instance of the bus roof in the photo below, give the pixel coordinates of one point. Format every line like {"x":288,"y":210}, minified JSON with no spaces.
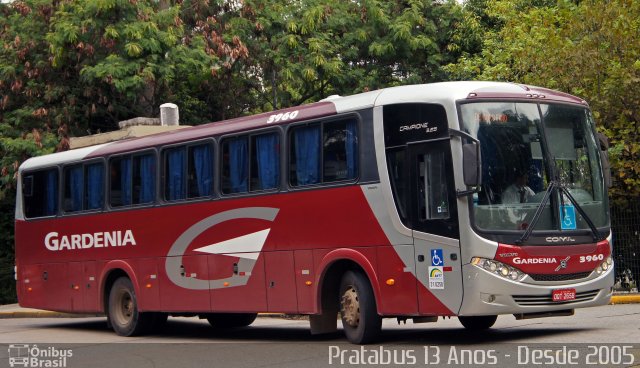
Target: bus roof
{"x":435,"y":92}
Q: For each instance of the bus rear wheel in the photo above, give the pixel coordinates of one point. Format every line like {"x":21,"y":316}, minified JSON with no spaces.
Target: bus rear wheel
{"x":477,"y":323}
{"x":360,"y":320}
{"x":123,"y":314}
{"x":231,"y":320}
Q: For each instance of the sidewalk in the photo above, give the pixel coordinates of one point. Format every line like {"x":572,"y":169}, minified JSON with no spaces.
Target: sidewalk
{"x":15,"y":311}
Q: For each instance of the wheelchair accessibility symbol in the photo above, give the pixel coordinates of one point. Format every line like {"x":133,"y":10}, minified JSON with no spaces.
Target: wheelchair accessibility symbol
{"x":567,"y":217}
{"x":436,"y":257}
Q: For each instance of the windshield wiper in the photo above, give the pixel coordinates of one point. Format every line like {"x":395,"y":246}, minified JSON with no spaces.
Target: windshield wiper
{"x":536,"y":215}
{"x":594,"y":230}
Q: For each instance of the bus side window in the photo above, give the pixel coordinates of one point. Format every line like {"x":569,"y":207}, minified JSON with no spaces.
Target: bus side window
{"x":143,"y":181}
{"x":340,"y":151}
{"x":265,"y":161}
{"x":83,"y":187}
{"x":94,"y":186}
{"x":40,"y":193}
{"x":120,"y":181}
{"x":175,"y":174}
{"x":73,"y":188}
{"x":397,"y":164}
{"x":235,"y":165}
{"x":304,"y":164}
{"x":324,"y":153}
{"x":200,"y":175}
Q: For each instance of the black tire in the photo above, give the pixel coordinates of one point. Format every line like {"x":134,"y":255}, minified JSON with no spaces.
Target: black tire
{"x":477,"y":323}
{"x":123,"y":314}
{"x":231,"y":320}
{"x":360,"y":320}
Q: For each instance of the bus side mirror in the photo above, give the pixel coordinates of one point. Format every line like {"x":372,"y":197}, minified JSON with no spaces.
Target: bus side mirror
{"x":471,"y":164}
{"x":604,"y":158}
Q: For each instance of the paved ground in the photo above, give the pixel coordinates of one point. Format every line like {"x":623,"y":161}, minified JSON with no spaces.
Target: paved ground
{"x":287,"y":343}
{"x":614,"y":324}
{"x":15,"y":311}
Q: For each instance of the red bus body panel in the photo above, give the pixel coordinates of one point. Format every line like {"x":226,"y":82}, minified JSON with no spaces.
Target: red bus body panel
{"x":311,"y":230}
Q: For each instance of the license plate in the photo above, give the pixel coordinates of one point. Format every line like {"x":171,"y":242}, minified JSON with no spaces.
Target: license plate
{"x":562,"y":295}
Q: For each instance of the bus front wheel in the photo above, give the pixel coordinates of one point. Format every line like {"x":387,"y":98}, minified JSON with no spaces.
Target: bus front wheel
{"x":360,"y":320}
{"x":477,"y":323}
{"x":124,"y":317}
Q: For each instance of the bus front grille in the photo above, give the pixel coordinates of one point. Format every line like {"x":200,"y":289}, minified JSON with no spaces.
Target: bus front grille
{"x":559,"y":277}
{"x":535,"y":300}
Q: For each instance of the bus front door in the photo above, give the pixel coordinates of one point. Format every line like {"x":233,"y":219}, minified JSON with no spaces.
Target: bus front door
{"x":434,"y":220}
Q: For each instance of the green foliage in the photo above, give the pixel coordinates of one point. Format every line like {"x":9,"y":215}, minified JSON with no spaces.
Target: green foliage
{"x":129,"y":56}
{"x":300,"y":52}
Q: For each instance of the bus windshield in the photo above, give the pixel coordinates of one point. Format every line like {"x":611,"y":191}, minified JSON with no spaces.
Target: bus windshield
{"x":526,"y":146}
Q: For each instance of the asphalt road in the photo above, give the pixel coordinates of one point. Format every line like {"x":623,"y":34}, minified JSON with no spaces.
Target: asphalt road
{"x":597,"y":335}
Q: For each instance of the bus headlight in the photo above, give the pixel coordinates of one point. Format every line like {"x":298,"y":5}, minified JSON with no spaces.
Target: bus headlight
{"x":498,"y":268}
{"x":604,"y":266}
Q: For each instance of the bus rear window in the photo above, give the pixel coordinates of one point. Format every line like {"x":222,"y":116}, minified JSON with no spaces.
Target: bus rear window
{"x":40,"y":193}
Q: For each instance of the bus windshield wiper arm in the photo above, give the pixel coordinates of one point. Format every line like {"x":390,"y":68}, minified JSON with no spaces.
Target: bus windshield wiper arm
{"x":594,"y":230}
{"x":536,"y":215}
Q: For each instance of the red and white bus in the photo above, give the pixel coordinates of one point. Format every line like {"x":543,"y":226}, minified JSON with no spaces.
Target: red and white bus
{"x":468,"y":199}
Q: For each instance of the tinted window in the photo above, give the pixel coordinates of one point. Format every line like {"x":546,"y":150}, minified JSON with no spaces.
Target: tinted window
{"x":94,"y":186}
{"x":339,"y":150}
{"x":200,"y":174}
{"x":40,"y":193}
{"x":235,"y":165}
{"x":83,"y":187}
{"x":396,"y":161}
{"x":143,"y":179}
{"x":132,"y":180}
{"x":175,"y":174}
{"x":251,"y":163}
{"x":323,"y":153}
{"x":73,"y":188}
{"x":265,"y":161}
{"x":305,"y":155}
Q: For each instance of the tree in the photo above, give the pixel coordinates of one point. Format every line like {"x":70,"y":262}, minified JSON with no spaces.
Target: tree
{"x":129,"y":56}
{"x":297,"y":52}
{"x":31,"y":105}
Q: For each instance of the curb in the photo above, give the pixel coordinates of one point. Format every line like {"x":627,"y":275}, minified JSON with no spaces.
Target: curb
{"x":625,"y":299}
{"x":51,"y":314}
{"x":44,"y":314}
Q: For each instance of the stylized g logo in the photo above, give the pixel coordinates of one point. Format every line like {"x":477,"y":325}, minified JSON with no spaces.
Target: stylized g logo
{"x":250,"y":245}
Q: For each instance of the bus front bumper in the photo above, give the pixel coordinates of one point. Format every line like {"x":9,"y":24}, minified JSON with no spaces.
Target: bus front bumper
{"x":489,"y":294}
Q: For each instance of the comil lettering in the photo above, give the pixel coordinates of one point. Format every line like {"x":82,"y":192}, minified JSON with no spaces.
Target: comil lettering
{"x":54,"y":242}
